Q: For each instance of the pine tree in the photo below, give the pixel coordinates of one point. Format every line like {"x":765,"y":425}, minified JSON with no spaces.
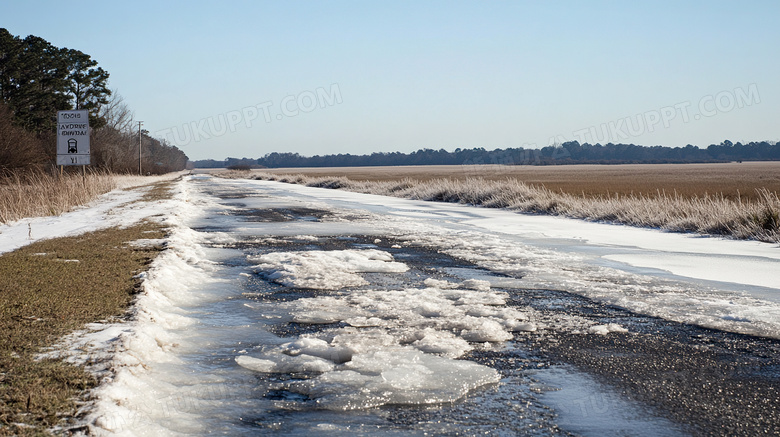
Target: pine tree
{"x":38,"y":79}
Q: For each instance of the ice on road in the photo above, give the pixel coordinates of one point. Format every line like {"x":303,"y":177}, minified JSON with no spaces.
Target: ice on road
{"x":281,"y":308}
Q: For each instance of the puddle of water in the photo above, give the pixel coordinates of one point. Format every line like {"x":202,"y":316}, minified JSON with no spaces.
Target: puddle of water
{"x":589,"y":408}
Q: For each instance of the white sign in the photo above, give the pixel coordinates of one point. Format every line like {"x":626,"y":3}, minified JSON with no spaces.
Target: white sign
{"x":73,"y":137}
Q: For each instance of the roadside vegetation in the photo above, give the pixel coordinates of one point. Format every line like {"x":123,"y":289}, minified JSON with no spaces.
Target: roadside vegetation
{"x":38,"y":194}
{"x":49,"y":289}
{"x":37,"y":79}
{"x":570,"y":152}
{"x":731,"y":180}
{"x":757,"y":217}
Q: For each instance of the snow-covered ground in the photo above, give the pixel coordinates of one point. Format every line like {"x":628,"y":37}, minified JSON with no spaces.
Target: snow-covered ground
{"x":711,"y":281}
{"x":282,"y":308}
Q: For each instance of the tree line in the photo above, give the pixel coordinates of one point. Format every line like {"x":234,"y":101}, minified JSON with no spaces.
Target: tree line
{"x":37,"y":79}
{"x":571,"y":152}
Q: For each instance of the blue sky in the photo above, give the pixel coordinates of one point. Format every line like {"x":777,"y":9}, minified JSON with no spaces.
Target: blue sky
{"x":246,"y":78}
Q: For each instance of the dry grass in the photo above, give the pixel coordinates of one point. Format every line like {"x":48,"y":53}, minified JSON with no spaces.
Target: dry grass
{"x":36,"y":194}
{"x":756,"y":217}
{"x":51,"y":288}
{"x":729,"y":180}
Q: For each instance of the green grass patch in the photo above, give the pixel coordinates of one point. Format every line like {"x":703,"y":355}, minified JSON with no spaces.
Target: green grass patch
{"x":47,"y":290}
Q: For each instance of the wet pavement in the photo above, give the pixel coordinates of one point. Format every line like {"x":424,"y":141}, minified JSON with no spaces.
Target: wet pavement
{"x":659,"y":378}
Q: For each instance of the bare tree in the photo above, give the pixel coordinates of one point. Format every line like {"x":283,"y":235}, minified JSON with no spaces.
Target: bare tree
{"x":19,"y":149}
{"x":113,"y":146}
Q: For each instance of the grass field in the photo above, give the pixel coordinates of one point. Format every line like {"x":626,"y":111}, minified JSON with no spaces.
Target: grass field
{"x":687,"y":180}
{"x":49,"y":289}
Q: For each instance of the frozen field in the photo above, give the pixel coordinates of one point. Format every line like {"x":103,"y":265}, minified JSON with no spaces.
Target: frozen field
{"x":285,"y":309}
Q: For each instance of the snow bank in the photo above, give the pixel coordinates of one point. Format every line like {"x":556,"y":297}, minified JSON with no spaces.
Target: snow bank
{"x":135,"y":396}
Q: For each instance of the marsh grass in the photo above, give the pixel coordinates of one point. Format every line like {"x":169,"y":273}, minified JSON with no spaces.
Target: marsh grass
{"x":49,"y":289}
{"x":730,"y":180}
{"x":755,"y":217}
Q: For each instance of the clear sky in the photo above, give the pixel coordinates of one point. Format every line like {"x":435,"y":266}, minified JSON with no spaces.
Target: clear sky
{"x":246,"y":78}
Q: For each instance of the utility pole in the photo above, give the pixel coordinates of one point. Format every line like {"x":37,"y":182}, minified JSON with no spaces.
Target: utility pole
{"x":139,"y":148}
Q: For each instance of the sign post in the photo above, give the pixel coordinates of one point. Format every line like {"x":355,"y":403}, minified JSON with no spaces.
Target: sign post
{"x":73,"y":137}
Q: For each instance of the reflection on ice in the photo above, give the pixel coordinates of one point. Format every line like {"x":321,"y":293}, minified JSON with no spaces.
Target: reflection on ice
{"x":588,"y":408}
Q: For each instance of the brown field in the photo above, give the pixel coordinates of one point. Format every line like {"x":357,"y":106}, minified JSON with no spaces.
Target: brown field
{"x":687,"y":180}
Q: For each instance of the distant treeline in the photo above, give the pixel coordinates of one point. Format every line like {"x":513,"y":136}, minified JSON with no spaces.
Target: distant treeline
{"x":571,"y":152}
{"x":37,"y":79}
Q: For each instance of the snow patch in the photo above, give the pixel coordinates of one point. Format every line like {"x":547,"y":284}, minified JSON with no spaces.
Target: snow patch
{"x":606,"y":329}
{"x":325,"y":270}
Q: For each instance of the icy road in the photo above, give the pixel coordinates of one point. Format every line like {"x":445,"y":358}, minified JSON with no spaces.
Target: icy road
{"x":292,"y":310}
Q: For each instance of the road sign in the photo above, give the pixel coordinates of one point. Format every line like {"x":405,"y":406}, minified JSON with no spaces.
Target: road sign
{"x":73,"y":137}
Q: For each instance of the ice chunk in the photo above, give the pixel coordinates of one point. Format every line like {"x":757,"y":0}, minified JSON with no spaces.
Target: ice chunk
{"x":317,"y":318}
{"x":484,"y":298}
{"x":319,"y":348}
{"x":436,"y":283}
{"x":256,"y":364}
{"x":399,"y":376}
{"x":488,"y":330}
{"x":476,"y":284}
{"x":285,"y":364}
{"x":442,"y":343}
{"x":606,"y":329}
{"x":482,"y":311}
{"x":364,"y":322}
{"x":518,"y":326}
{"x":430,"y":309}
{"x":325,"y":270}
{"x":364,"y":340}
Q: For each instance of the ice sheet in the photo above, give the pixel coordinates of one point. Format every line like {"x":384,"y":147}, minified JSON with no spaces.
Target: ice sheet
{"x":758,"y":271}
{"x":580,"y":236}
